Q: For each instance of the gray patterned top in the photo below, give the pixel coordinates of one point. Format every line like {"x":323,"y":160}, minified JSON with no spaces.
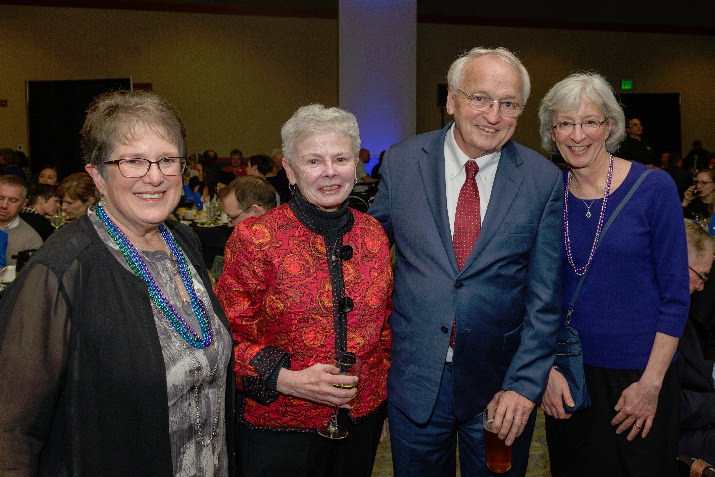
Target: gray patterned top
{"x":195,"y":378}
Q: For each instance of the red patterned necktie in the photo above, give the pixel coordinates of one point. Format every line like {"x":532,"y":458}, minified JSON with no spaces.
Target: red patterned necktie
{"x":467,"y":222}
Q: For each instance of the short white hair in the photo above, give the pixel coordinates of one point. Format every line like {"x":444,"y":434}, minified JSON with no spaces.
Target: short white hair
{"x":316,"y":119}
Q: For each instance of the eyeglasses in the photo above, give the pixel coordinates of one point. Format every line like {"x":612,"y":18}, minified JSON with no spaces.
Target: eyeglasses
{"x":231,"y":220}
{"x":702,"y":278}
{"x":135,"y":167}
{"x":587,"y":126}
{"x":702,"y":182}
{"x":510,"y":109}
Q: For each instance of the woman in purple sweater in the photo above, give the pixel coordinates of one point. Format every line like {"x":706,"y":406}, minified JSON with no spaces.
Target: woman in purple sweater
{"x":632,"y":307}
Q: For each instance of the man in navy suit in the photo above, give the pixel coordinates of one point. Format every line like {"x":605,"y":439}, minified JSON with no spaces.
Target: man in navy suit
{"x":502,"y":291}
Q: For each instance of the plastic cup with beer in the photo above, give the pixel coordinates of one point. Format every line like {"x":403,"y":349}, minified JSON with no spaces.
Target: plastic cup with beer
{"x":498,"y":453}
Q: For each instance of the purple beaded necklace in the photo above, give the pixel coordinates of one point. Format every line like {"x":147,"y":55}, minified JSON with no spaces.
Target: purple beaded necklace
{"x":567,"y":241}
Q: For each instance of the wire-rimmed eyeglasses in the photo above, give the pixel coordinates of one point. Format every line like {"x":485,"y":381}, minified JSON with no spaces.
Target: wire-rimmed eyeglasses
{"x":135,"y":167}
{"x":480,"y":102}
{"x":587,"y":126}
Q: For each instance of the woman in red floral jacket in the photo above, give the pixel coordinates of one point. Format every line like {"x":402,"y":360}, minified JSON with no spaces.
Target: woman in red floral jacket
{"x":306,"y":279}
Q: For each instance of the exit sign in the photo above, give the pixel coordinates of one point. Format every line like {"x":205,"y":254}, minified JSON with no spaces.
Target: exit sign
{"x":626,"y":84}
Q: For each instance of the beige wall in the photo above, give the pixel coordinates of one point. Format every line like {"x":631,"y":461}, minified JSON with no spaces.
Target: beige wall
{"x":236,"y":79}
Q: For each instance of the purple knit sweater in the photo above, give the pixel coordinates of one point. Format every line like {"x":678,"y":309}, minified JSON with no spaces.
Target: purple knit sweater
{"x":638,"y":282}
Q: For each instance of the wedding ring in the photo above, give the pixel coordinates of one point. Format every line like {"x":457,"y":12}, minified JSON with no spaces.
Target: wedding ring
{"x":635,"y":424}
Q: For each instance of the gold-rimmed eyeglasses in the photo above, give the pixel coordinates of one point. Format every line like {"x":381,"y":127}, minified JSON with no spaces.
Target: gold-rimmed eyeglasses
{"x":480,"y":102}
{"x":135,"y":167}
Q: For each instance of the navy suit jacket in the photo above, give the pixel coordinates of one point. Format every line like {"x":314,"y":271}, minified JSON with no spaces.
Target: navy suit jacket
{"x":507,"y":297}
{"x":698,"y":390}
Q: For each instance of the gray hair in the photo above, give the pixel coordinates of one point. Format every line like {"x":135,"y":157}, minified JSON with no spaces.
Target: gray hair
{"x":456,"y":69}
{"x":317,"y":119}
{"x":567,"y":94}
{"x":119,"y":116}
{"x":699,"y":241}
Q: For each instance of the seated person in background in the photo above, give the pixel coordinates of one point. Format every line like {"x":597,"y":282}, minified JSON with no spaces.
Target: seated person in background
{"x":244,"y":197}
{"x":10,"y":163}
{"x":238,"y":165}
{"x":278,"y":178}
{"x":697,"y":431}
{"x":13,"y":196}
{"x":77,"y":192}
{"x":42,"y":203}
{"x":49,"y":175}
{"x":699,"y":199}
{"x":672,"y":163}
{"x":260,"y":166}
{"x":697,"y":158}
{"x":210,"y":179}
{"x":361,"y":172}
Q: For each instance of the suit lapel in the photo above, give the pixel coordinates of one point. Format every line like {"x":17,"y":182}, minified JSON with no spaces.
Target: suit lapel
{"x":505,"y":189}
{"x":431,"y":166}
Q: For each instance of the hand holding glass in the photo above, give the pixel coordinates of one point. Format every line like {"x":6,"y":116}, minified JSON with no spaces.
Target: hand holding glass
{"x":349,"y":365}
{"x":498,"y":453}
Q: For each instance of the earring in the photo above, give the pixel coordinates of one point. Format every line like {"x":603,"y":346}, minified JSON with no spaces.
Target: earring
{"x":291,"y":188}
{"x":356,"y":180}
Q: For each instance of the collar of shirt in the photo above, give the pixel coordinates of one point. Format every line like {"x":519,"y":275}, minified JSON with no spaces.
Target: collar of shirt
{"x":15,"y":222}
{"x":454,"y":161}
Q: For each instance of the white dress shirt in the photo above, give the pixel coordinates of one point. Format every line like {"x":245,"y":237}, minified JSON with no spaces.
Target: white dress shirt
{"x":455,"y":175}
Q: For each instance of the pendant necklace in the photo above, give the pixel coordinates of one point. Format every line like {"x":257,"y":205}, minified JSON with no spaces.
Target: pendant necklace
{"x":567,"y":241}
{"x":588,"y":207}
{"x":138,"y":267}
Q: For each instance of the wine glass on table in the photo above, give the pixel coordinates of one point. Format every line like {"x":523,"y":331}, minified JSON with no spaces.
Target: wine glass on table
{"x":349,"y":365}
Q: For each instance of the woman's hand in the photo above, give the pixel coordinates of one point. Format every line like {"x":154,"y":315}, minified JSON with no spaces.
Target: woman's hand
{"x":557,"y":391}
{"x":688,"y":196}
{"x":316,"y":384}
{"x":636,"y":408}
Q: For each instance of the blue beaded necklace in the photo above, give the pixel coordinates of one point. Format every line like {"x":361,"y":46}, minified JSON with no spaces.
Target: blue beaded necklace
{"x":135,"y":262}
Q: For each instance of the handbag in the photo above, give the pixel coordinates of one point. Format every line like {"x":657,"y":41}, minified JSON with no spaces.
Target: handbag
{"x":569,"y":356}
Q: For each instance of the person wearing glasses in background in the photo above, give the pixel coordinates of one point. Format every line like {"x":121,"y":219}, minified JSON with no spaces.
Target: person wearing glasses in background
{"x":476,"y":220}
{"x":632,"y":307}
{"x":699,"y":199}
{"x":114,"y":353}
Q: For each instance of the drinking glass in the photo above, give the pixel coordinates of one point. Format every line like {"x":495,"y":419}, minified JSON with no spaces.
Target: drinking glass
{"x":349,"y":365}
{"x":58,"y":219}
{"x":498,"y":453}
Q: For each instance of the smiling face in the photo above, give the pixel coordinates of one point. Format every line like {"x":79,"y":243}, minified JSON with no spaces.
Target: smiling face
{"x":580,"y":149}
{"x":323,"y":168}
{"x":139,"y":205}
{"x":47,"y":176}
{"x":482,"y":132}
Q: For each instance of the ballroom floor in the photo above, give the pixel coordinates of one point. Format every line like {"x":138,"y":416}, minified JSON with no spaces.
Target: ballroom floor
{"x":538,"y":455}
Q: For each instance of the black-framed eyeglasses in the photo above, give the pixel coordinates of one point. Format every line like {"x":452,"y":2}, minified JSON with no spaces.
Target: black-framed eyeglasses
{"x":233,"y":219}
{"x":480,"y":102}
{"x":702,"y":278}
{"x":702,"y":182}
{"x":587,"y":126}
{"x":135,"y":167}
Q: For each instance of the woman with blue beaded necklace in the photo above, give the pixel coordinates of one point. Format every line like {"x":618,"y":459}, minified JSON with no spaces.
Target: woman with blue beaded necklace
{"x":633,"y":304}
{"x":118,"y":353}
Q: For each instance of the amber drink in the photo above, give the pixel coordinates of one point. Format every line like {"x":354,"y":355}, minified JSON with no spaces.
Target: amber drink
{"x":498,"y":453}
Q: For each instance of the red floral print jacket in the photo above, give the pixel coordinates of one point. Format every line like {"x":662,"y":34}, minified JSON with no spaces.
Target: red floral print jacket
{"x":277,"y":294}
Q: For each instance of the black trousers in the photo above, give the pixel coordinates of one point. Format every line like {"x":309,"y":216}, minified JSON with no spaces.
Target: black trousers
{"x":587,"y":443}
{"x":308,"y":454}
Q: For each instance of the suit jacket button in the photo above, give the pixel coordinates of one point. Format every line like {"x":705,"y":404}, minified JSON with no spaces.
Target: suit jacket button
{"x":458,"y":284}
{"x":445,"y":329}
